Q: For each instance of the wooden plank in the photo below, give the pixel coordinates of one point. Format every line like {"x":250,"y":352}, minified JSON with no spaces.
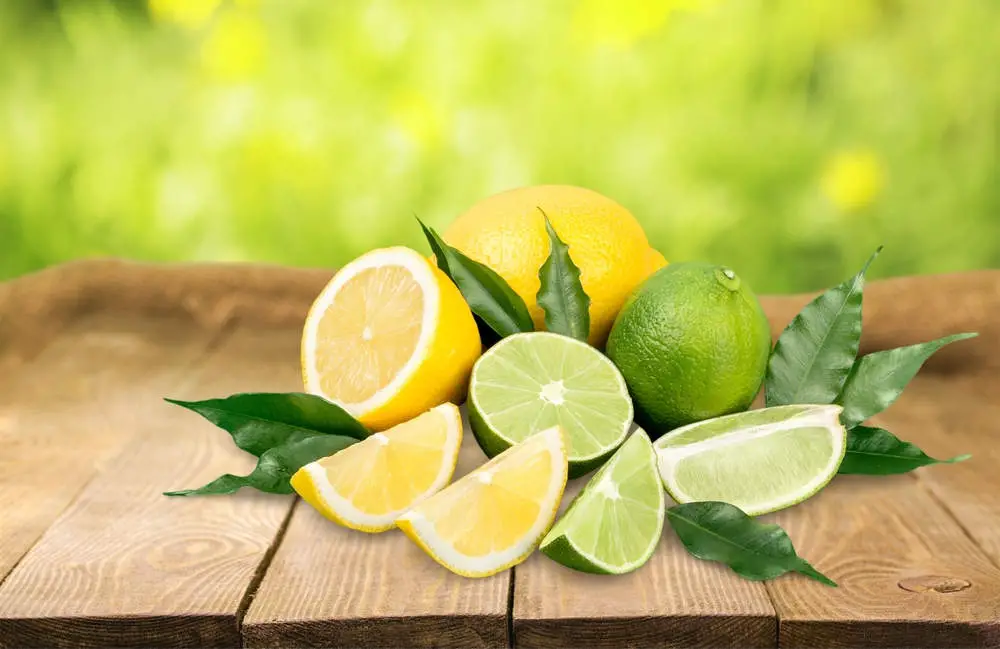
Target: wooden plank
{"x":332,"y":587}
{"x":127,"y":565}
{"x":946,"y":415}
{"x":908,"y":575}
{"x":906,"y":310}
{"x":674,"y":600}
{"x":71,"y":408}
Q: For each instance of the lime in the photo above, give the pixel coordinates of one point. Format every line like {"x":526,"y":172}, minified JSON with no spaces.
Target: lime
{"x":614,"y":525}
{"x":692,"y":343}
{"x":760,"y":461}
{"x":532,"y":381}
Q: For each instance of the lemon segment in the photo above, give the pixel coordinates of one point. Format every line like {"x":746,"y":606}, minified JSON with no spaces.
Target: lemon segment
{"x":368,"y":485}
{"x":494,"y":517}
{"x":389,"y":337}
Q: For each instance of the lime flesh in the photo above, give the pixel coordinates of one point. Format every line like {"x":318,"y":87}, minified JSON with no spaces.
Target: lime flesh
{"x":532,"y":381}
{"x":760,"y":461}
{"x":614,"y":525}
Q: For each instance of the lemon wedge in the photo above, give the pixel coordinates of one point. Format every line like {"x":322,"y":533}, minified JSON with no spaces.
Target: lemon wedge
{"x":494,"y":517}
{"x":368,"y":485}
{"x":389,"y":337}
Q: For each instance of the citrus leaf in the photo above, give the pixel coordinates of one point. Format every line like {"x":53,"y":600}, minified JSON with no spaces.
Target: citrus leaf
{"x":877,"y":379}
{"x":262,"y":420}
{"x":488,"y":295}
{"x":718,"y":531}
{"x":561,"y":295}
{"x":876,"y":451}
{"x":276,"y":465}
{"x":815,"y":352}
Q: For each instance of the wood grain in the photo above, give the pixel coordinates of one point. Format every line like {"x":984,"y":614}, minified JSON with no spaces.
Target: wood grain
{"x":333,"y":587}
{"x":125,"y":565}
{"x":674,"y":600}
{"x":907,"y":310}
{"x":897,"y":557}
{"x":65,"y":413}
{"x":947,"y":415}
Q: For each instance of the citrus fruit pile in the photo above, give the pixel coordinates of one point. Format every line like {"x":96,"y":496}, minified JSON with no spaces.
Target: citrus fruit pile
{"x":679,"y":349}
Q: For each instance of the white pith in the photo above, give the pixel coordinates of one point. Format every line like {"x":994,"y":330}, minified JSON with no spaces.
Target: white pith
{"x":442,"y":550}
{"x":820,"y":416}
{"x":654,"y":541}
{"x":344,"y":508}
{"x":421,"y":272}
{"x":623,"y":388}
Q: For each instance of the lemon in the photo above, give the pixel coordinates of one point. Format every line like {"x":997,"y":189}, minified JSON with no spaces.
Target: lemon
{"x":494,"y":517}
{"x":507,"y":233}
{"x":368,"y":485}
{"x":388,"y":338}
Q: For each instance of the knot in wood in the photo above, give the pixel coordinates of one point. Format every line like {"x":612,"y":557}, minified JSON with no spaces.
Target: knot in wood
{"x":934,"y":583}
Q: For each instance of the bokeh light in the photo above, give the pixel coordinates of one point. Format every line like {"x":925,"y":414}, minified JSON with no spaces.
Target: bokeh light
{"x":785,"y":138}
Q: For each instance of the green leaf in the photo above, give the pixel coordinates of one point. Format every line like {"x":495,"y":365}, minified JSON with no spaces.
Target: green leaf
{"x":877,"y":379}
{"x":561,"y":296}
{"x":717,"y":531}
{"x":488,"y":295}
{"x":276,"y":465}
{"x":260,"y":421}
{"x":815,"y":352}
{"x":876,"y":451}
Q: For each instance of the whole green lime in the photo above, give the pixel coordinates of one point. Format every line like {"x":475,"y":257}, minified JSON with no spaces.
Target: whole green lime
{"x":692,"y":343}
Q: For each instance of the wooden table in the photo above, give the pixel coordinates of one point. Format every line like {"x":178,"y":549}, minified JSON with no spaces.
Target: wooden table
{"x":91,"y":553}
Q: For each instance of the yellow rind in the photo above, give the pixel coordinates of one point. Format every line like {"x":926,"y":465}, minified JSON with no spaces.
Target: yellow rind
{"x":506,"y":232}
{"x":408,"y":529}
{"x":305,"y":487}
{"x":443,"y":372}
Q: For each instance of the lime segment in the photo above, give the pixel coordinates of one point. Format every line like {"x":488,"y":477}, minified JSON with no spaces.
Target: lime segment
{"x":530,"y":382}
{"x":614,"y":525}
{"x":760,"y":461}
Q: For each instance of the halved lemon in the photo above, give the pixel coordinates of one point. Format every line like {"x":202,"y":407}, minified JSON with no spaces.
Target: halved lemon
{"x":495,"y":516}
{"x":389,"y":337}
{"x":368,"y":485}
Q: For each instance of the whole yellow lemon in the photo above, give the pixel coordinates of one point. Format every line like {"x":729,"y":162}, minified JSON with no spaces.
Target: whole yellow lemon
{"x":507,"y":233}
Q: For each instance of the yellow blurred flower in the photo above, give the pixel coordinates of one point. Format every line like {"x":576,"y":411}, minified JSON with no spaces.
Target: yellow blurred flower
{"x":852,"y":180}
{"x":187,"y":13}
{"x":236,"y":47}
{"x":624,"y":22}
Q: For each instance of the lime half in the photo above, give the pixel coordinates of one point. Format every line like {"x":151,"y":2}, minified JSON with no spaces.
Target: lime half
{"x":533,"y":381}
{"x":760,"y":460}
{"x":614,"y":525}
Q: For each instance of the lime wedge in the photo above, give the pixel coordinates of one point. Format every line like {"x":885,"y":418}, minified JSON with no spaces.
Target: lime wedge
{"x":614,"y":525}
{"x":760,"y":461}
{"x":533,"y":381}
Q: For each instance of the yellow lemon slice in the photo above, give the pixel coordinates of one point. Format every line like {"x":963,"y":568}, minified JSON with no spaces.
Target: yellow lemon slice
{"x":495,"y":516}
{"x":368,"y":485}
{"x":389,"y":337}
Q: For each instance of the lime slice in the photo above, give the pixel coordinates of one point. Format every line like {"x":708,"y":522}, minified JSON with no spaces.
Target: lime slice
{"x":614,"y":525}
{"x":533,"y":381}
{"x":760,"y":461}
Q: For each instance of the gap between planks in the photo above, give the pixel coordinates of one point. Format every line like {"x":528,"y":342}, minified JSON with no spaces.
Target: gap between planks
{"x":674,"y":600}
{"x":914,"y":569}
{"x":123,"y":556}
{"x":86,"y":374}
{"x":328,"y":586}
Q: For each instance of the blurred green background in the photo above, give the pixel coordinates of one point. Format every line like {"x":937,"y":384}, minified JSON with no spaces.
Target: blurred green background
{"x":785,"y":138}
